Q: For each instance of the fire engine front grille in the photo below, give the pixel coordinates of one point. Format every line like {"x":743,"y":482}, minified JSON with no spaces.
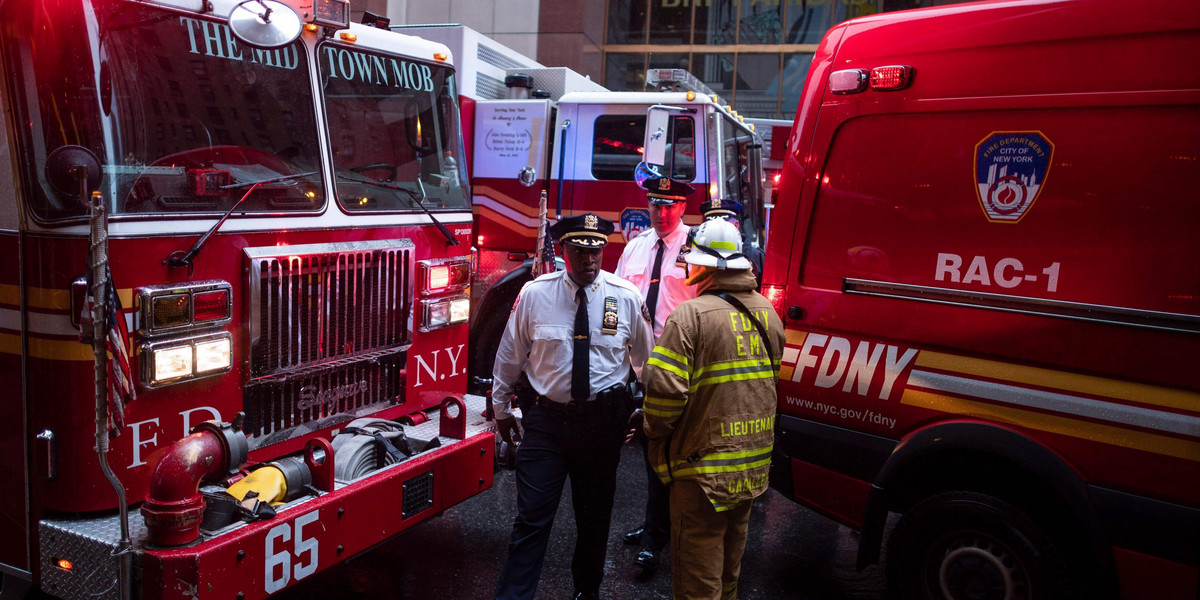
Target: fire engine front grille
{"x":329,"y":331}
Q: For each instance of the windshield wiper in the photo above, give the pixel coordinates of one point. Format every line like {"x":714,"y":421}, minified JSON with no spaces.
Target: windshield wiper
{"x":184,"y":259}
{"x":420,"y":200}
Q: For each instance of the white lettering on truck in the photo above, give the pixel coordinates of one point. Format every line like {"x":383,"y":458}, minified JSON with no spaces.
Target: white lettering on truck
{"x":1007,"y":273}
{"x":856,"y":371}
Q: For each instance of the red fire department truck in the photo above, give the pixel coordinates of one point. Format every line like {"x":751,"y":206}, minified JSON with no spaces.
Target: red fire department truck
{"x":288,"y":242}
{"x":560,"y":133}
{"x":985,"y":249}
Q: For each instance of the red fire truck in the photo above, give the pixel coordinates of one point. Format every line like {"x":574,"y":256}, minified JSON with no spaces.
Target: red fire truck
{"x":286,"y":270}
{"x":985,"y":248}
{"x":560,"y":133}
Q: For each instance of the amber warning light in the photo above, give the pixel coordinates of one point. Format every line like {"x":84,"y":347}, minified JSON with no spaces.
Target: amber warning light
{"x":64,"y":564}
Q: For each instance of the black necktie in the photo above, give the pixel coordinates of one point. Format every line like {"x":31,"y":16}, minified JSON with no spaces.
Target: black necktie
{"x":655,"y":275}
{"x":580,"y":389}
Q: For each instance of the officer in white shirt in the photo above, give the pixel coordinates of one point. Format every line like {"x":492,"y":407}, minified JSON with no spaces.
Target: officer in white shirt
{"x":640,"y":262}
{"x":566,"y":359}
{"x":652,"y":262}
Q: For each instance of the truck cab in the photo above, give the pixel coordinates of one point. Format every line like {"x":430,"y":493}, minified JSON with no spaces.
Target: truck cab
{"x":983,"y":248}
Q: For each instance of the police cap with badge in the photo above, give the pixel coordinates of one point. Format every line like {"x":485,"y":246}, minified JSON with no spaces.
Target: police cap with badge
{"x":584,"y":231}
{"x":718,"y":207}
{"x":664,"y":191}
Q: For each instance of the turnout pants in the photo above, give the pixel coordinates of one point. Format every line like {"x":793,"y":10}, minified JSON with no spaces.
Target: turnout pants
{"x":561,"y":444}
{"x":706,"y":545}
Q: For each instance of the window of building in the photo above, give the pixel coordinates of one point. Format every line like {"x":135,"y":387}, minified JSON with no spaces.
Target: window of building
{"x":625,"y":72}
{"x":807,"y":22}
{"x":757,"y":85}
{"x":795,"y":71}
{"x":716,"y":71}
{"x":761,"y":23}
{"x":716,"y":22}
{"x":670,"y":22}
{"x":627,"y":21}
{"x":668,"y":60}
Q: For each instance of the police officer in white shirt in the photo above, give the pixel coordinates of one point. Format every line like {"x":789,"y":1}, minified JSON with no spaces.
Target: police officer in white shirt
{"x":650,"y":262}
{"x":566,"y":356}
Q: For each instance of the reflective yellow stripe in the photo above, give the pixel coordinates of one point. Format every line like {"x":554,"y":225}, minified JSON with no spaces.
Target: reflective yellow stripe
{"x":47,"y":349}
{"x":765,"y":374}
{"x":723,"y":468}
{"x":668,"y":367}
{"x":666,"y":414}
{"x":730,"y":364}
{"x":659,"y":400}
{"x":52,"y":298}
{"x":722,"y":245}
{"x":1050,"y":378}
{"x":1096,"y":432}
{"x":679,"y":358}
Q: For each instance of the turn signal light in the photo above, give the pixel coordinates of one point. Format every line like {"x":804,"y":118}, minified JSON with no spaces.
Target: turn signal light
{"x":211,"y":306}
{"x":890,"y":78}
{"x":64,"y":564}
{"x":168,"y":308}
{"x":440,"y":276}
{"x":169,"y":311}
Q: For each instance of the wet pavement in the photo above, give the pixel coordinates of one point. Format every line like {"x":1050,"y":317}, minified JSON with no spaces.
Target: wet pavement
{"x":793,"y":553}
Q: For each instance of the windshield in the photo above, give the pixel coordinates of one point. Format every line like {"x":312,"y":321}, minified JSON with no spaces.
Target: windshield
{"x":394,"y":130}
{"x":177,"y":111}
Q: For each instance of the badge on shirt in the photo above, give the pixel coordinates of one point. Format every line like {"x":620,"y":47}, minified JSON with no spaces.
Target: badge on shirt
{"x":609,"y":324}
{"x":646,"y":315}
{"x":680,"y":259}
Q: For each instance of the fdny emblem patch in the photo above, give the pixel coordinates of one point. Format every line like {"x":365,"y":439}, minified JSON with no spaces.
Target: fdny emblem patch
{"x":1010,"y":170}
{"x":634,"y":221}
{"x":609,"y":325}
{"x":646,"y":315}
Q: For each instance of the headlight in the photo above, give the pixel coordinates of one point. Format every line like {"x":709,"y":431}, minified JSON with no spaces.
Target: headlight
{"x":172,"y":363}
{"x":444,"y":312}
{"x":183,"y":359}
{"x":213,"y":356}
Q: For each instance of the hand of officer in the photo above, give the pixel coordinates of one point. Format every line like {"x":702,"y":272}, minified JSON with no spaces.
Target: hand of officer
{"x":634,"y":426}
{"x":509,"y":430}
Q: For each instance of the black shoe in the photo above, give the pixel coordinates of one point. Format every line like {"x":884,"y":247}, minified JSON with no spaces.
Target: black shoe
{"x":647,"y":562}
{"x":586,"y":596}
{"x":635,"y":537}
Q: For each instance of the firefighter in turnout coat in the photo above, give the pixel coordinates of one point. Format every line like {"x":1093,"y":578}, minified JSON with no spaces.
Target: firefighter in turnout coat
{"x":710,"y":411}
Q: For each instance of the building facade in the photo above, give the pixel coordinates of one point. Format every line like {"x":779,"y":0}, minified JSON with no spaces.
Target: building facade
{"x":754,"y":53}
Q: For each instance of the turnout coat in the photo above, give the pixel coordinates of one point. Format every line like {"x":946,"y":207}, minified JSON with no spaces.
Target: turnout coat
{"x":710,"y":392}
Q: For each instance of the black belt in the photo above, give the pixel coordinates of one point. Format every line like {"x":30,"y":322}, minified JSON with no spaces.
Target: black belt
{"x":573,"y":408}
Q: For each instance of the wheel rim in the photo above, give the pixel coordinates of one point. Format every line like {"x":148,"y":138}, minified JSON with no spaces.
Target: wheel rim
{"x":980,"y":568}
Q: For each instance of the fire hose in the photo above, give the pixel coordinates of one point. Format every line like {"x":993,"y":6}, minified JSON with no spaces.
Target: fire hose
{"x":367,"y":445}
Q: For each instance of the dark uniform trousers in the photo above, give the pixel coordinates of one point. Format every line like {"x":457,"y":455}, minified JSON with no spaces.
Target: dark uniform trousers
{"x":706,"y":545}
{"x":561,"y":442}
{"x":657,"y":527}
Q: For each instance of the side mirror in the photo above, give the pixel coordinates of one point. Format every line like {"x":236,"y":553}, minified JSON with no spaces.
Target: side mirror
{"x":265,"y":24}
{"x":754,"y":161}
{"x":658,"y":124}
{"x":66,"y":165}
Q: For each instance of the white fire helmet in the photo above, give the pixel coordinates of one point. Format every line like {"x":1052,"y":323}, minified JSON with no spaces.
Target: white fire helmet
{"x":718,"y":244}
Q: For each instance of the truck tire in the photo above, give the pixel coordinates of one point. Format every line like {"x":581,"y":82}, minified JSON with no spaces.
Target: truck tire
{"x":973,"y":546}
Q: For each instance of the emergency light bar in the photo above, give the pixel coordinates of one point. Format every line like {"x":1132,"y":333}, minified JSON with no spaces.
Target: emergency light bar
{"x":676,"y":80}
{"x":332,"y":13}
